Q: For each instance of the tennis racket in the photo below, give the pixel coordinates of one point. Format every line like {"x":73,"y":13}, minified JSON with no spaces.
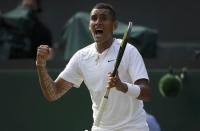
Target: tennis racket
{"x":117,"y":63}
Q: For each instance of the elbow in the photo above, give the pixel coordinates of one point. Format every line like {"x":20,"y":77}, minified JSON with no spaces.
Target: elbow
{"x":50,"y":98}
{"x":147,"y":97}
{"x":145,"y":90}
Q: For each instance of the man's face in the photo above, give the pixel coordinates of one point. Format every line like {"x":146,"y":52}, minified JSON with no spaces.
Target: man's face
{"x":101,"y":25}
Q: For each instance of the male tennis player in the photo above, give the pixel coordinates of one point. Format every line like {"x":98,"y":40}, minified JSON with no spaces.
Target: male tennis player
{"x":93,"y":64}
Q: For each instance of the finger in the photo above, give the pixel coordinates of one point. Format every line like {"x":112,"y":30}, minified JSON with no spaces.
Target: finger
{"x":109,"y":74}
{"x":44,"y":45}
{"x":50,"y":50}
{"x":111,"y":83}
{"x":43,"y":49}
{"x":42,"y":52}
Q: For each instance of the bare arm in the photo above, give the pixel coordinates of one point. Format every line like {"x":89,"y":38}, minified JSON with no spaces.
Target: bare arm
{"x":145,"y":93}
{"x":52,"y":90}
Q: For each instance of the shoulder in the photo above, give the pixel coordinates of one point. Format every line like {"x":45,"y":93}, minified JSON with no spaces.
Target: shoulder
{"x":86,"y":51}
{"x":129,"y":47}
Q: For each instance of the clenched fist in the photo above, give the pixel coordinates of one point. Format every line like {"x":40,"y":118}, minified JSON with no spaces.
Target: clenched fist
{"x":116,"y":82}
{"x":44,"y":52}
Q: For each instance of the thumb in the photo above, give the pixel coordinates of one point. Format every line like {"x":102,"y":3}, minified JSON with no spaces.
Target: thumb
{"x":50,"y":50}
{"x":116,"y":75}
{"x":50,"y":56}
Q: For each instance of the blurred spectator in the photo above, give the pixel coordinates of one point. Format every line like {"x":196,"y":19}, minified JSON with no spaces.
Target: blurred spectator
{"x":21,"y":31}
{"x":153,"y":123}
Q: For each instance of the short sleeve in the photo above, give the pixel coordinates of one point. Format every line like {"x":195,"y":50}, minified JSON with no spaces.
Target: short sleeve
{"x":72,"y":72}
{"x":136,"y":66}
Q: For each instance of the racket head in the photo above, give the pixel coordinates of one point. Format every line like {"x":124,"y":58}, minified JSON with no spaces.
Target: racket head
{"x":127,"y":34}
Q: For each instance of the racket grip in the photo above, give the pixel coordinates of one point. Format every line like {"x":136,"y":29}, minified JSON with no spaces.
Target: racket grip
{"x":102,"y":107}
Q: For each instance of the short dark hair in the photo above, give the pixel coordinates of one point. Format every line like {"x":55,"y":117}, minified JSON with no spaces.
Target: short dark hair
{"x":108,"y":7}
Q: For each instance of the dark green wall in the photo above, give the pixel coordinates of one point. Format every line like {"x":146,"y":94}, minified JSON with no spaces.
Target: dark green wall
{"x":23,"y":108}
{"x":181,"y":113}
{"x":176,"y":21}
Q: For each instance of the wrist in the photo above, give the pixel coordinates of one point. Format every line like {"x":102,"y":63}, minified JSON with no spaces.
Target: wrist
{"x":123,"y":87}
{"x":133,"y":90}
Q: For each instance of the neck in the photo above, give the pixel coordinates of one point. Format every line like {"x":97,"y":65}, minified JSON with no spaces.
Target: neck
{"x":101,"y":46}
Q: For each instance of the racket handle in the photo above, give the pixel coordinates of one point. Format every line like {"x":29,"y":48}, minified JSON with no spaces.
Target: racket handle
{"x":102,"y":107}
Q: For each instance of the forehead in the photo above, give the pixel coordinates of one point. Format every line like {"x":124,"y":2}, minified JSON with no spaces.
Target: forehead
{"x":100,"y":12}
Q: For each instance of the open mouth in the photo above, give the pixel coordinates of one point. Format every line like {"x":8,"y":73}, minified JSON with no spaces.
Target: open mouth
{"x":98,"y":32}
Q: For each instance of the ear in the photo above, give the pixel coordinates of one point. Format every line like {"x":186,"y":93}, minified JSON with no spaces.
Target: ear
{"x":115,"y":25}
{"x":89,"y":26}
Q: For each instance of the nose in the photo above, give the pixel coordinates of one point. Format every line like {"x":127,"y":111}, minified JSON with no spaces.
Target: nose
{"x":98,"y":21}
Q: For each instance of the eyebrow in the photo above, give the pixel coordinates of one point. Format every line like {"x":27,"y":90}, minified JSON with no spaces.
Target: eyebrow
{"x":99,"y":14}
{"x":102,"y":14}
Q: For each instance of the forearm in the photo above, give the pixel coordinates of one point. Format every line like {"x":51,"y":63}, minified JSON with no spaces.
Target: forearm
{"x":47,"y":85}
{"x":140,"y":91}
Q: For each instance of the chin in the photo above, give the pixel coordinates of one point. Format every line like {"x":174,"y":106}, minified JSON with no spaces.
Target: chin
{"x":98,"y":39}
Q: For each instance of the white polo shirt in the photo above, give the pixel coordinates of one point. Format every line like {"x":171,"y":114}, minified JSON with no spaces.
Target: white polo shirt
{"x":91,"y":67}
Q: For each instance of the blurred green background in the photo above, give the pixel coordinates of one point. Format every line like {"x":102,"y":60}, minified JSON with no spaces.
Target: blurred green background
{"x":23,"y":107}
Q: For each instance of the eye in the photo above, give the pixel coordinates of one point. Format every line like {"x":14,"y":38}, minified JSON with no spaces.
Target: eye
{"x":103,"y":18}
{"x":93,"y":18}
